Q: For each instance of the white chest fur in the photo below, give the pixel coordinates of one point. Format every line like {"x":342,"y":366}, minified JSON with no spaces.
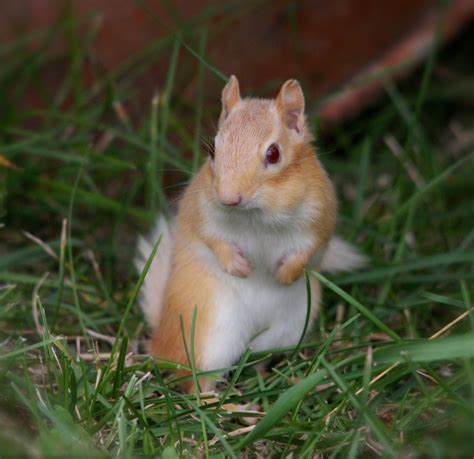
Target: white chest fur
{"x":257,"y":311}
{"x":263,"y":239}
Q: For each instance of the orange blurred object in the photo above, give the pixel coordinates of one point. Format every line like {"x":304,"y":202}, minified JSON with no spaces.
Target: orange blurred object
{"x":329,"y":45}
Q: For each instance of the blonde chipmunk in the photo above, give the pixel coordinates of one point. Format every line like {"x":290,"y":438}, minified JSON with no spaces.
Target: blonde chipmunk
{"x":259,"y":211}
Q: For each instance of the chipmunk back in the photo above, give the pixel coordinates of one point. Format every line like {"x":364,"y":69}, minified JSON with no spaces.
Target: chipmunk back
{"x":260,"y":210}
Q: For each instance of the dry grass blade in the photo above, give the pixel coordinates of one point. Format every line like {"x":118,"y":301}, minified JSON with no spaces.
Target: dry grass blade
{"x":42,"y":244}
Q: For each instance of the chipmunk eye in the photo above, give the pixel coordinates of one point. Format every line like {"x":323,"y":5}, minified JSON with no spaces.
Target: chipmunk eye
{"x":272,"y":156}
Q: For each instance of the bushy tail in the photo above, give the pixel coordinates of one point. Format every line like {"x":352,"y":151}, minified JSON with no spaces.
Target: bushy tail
{"x":153,"y":288}
{"x":341,"y":256}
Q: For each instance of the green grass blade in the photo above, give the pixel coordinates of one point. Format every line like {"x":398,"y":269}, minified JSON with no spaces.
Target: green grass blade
{"x":353,"y":302}
{"x":282,"y":406}
{"x":426,"y":350}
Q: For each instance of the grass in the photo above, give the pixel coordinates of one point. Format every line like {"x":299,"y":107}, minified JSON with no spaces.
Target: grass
{"x":388,"y":368}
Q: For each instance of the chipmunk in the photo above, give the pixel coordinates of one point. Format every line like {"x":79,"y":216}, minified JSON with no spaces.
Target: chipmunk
{"x":260,"y":210}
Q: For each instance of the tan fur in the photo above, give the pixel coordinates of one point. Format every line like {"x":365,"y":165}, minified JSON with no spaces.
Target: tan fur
{"x":244,"y":127}
{"x":189,"y":287}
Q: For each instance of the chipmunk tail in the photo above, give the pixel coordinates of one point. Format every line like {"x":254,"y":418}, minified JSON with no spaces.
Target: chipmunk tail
{"x":153,"y":288}
{"x":342,"y":256}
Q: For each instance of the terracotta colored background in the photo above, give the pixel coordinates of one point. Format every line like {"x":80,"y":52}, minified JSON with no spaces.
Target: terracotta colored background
{"x":325,"y":43}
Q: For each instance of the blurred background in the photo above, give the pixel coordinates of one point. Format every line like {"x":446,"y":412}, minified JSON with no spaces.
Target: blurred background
{"x":342,"y":51}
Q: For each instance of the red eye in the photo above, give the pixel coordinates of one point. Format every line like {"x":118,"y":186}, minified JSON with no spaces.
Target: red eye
{"x":272,"y":155}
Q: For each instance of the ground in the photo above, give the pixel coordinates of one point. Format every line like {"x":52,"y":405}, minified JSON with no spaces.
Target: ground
{"x":387,"y":369}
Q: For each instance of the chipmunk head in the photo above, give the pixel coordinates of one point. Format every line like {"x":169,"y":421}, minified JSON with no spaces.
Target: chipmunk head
{"x":258,"y":149}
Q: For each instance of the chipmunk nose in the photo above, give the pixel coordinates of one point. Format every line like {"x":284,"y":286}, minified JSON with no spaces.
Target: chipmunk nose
{"x":230,"y":199}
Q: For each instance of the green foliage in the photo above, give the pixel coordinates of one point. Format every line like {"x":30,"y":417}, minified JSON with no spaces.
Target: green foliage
{"x":388,"y":368}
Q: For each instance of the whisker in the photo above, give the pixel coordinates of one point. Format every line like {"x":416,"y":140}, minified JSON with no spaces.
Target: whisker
{"x":174,"y":200}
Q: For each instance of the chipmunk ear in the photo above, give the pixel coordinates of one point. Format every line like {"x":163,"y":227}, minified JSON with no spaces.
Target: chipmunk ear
{"x":290,"y":104}
{"x":230,"y":96}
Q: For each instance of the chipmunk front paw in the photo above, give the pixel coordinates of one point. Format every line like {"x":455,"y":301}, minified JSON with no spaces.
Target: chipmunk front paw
{"x":231,"y":258}
{"x":239,"y":265}
{"x":290,"y":267}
